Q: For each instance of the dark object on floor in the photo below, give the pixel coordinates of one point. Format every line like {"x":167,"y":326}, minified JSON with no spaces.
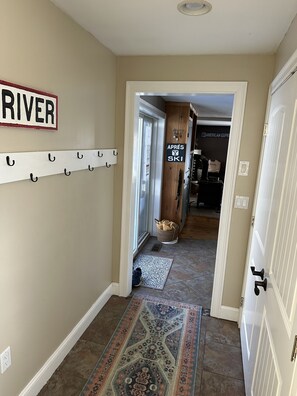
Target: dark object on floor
{"x":136,"y":278}
{"x":156,"y":247}
{"x":205,"y":312}
{"x":210,"y":193}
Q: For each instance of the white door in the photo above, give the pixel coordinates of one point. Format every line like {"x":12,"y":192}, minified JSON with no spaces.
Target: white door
{"x":269,"y":320}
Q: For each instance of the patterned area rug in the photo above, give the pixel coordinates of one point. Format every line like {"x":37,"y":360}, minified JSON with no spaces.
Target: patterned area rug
{"x":153,"y":352}
{"x":155,"y":270}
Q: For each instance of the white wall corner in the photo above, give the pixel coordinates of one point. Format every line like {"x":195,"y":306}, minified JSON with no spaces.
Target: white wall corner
{"x":47,"y":370}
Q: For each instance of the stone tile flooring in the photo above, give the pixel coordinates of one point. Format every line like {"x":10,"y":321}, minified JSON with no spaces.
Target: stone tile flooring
{"x":190,"y":280}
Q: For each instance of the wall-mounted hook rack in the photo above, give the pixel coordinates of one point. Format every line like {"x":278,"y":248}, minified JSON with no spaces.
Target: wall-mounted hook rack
{"x":8,"y":161}
{"x":51,"y":158}
{"x":50,"y":162}
{"x":34,"y":180}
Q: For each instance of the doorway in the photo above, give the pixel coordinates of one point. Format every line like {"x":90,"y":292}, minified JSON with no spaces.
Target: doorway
{"x":133,"y":92}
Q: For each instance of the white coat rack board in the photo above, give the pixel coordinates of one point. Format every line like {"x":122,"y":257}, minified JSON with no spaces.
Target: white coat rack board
{"x":33,"y":165}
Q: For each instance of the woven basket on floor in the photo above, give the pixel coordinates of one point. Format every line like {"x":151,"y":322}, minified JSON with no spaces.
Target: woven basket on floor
{"x":168,"y":235}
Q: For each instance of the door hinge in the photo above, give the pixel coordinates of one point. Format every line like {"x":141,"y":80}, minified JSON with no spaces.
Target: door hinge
{"x":241,"y":301}
{"x":294,"y":351}
{"x":265,"y":130}
{"x":253,"y":221}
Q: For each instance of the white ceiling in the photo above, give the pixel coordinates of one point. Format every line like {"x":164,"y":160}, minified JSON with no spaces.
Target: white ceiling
{"x":155,"y":27}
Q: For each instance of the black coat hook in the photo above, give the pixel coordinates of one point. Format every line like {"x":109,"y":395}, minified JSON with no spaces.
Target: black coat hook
{"x":90,"y":168}
{"x":100,"y":154}
{"x":67,"y":173}
{"x":34,"y":180}
{"x":80,"y":156}
{"x":52,"y":159}
{"x":8,"y":161}
{"x":107,"y":165}
{"x":115,"y":153}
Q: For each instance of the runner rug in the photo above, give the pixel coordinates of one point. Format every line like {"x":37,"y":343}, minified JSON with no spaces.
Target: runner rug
{"x":154,"y":269}
{"x":153,"y":352}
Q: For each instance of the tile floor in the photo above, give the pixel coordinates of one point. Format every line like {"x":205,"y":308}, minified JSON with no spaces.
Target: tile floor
{"x":190,"y":280}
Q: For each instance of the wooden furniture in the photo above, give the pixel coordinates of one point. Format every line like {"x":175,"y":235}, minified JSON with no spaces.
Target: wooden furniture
{"x":181,"y":121}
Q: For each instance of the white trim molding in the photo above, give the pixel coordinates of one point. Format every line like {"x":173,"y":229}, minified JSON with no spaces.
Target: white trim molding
{"x":157,"y":88}
{"x":47,"y":370}
{"x":285,"y":73}
{"x":229,"y":313}
{"x":227,"y":200}
{"x":115,"y":289}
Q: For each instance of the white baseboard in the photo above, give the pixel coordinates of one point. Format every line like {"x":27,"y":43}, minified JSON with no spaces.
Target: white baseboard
{"x":115,"y":289}
{"x":47,"y":370}
{"x":229,"y":313}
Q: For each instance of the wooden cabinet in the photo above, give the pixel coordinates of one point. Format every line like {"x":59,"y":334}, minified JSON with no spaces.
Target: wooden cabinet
{"x":181,"y":120}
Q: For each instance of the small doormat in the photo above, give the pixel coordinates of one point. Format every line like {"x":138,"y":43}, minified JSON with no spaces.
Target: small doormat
{"x":154,"y":352}
{"x":154,"y":269}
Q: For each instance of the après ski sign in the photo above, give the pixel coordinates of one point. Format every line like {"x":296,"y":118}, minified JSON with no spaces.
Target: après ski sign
{"x":26,"y":107}
{"x":175,"y":152}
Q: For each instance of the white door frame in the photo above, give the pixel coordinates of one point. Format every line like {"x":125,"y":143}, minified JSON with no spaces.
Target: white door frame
{"x":133,"y":91}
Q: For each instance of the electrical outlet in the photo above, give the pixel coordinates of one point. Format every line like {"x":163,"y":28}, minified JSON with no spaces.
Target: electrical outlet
{"x":243,"y":169}
{"x":5,"y":360}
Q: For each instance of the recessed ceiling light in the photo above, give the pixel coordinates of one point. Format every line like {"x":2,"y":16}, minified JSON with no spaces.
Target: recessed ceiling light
{"x":194,"y":7}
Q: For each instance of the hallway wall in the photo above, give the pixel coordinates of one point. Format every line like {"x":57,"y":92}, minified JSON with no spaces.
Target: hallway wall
{"x":55,"y":235}
{"x":257,"y":70}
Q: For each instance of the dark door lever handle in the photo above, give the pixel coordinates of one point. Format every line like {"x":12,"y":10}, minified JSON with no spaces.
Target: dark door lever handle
{"x":258,"y":273}
{"x":260,"y":284}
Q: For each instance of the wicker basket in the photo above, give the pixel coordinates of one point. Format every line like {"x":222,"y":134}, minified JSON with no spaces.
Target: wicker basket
{"x":168,"y":236}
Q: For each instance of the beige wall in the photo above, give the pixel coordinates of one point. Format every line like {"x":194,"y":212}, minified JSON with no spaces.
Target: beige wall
{"x":55,"y":235}
{"x":257,"y":71}
{"x":287,"y":47}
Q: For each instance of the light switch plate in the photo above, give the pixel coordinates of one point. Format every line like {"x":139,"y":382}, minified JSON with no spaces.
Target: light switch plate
{"x":241,"y":202}
{"x":243,"y":169}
